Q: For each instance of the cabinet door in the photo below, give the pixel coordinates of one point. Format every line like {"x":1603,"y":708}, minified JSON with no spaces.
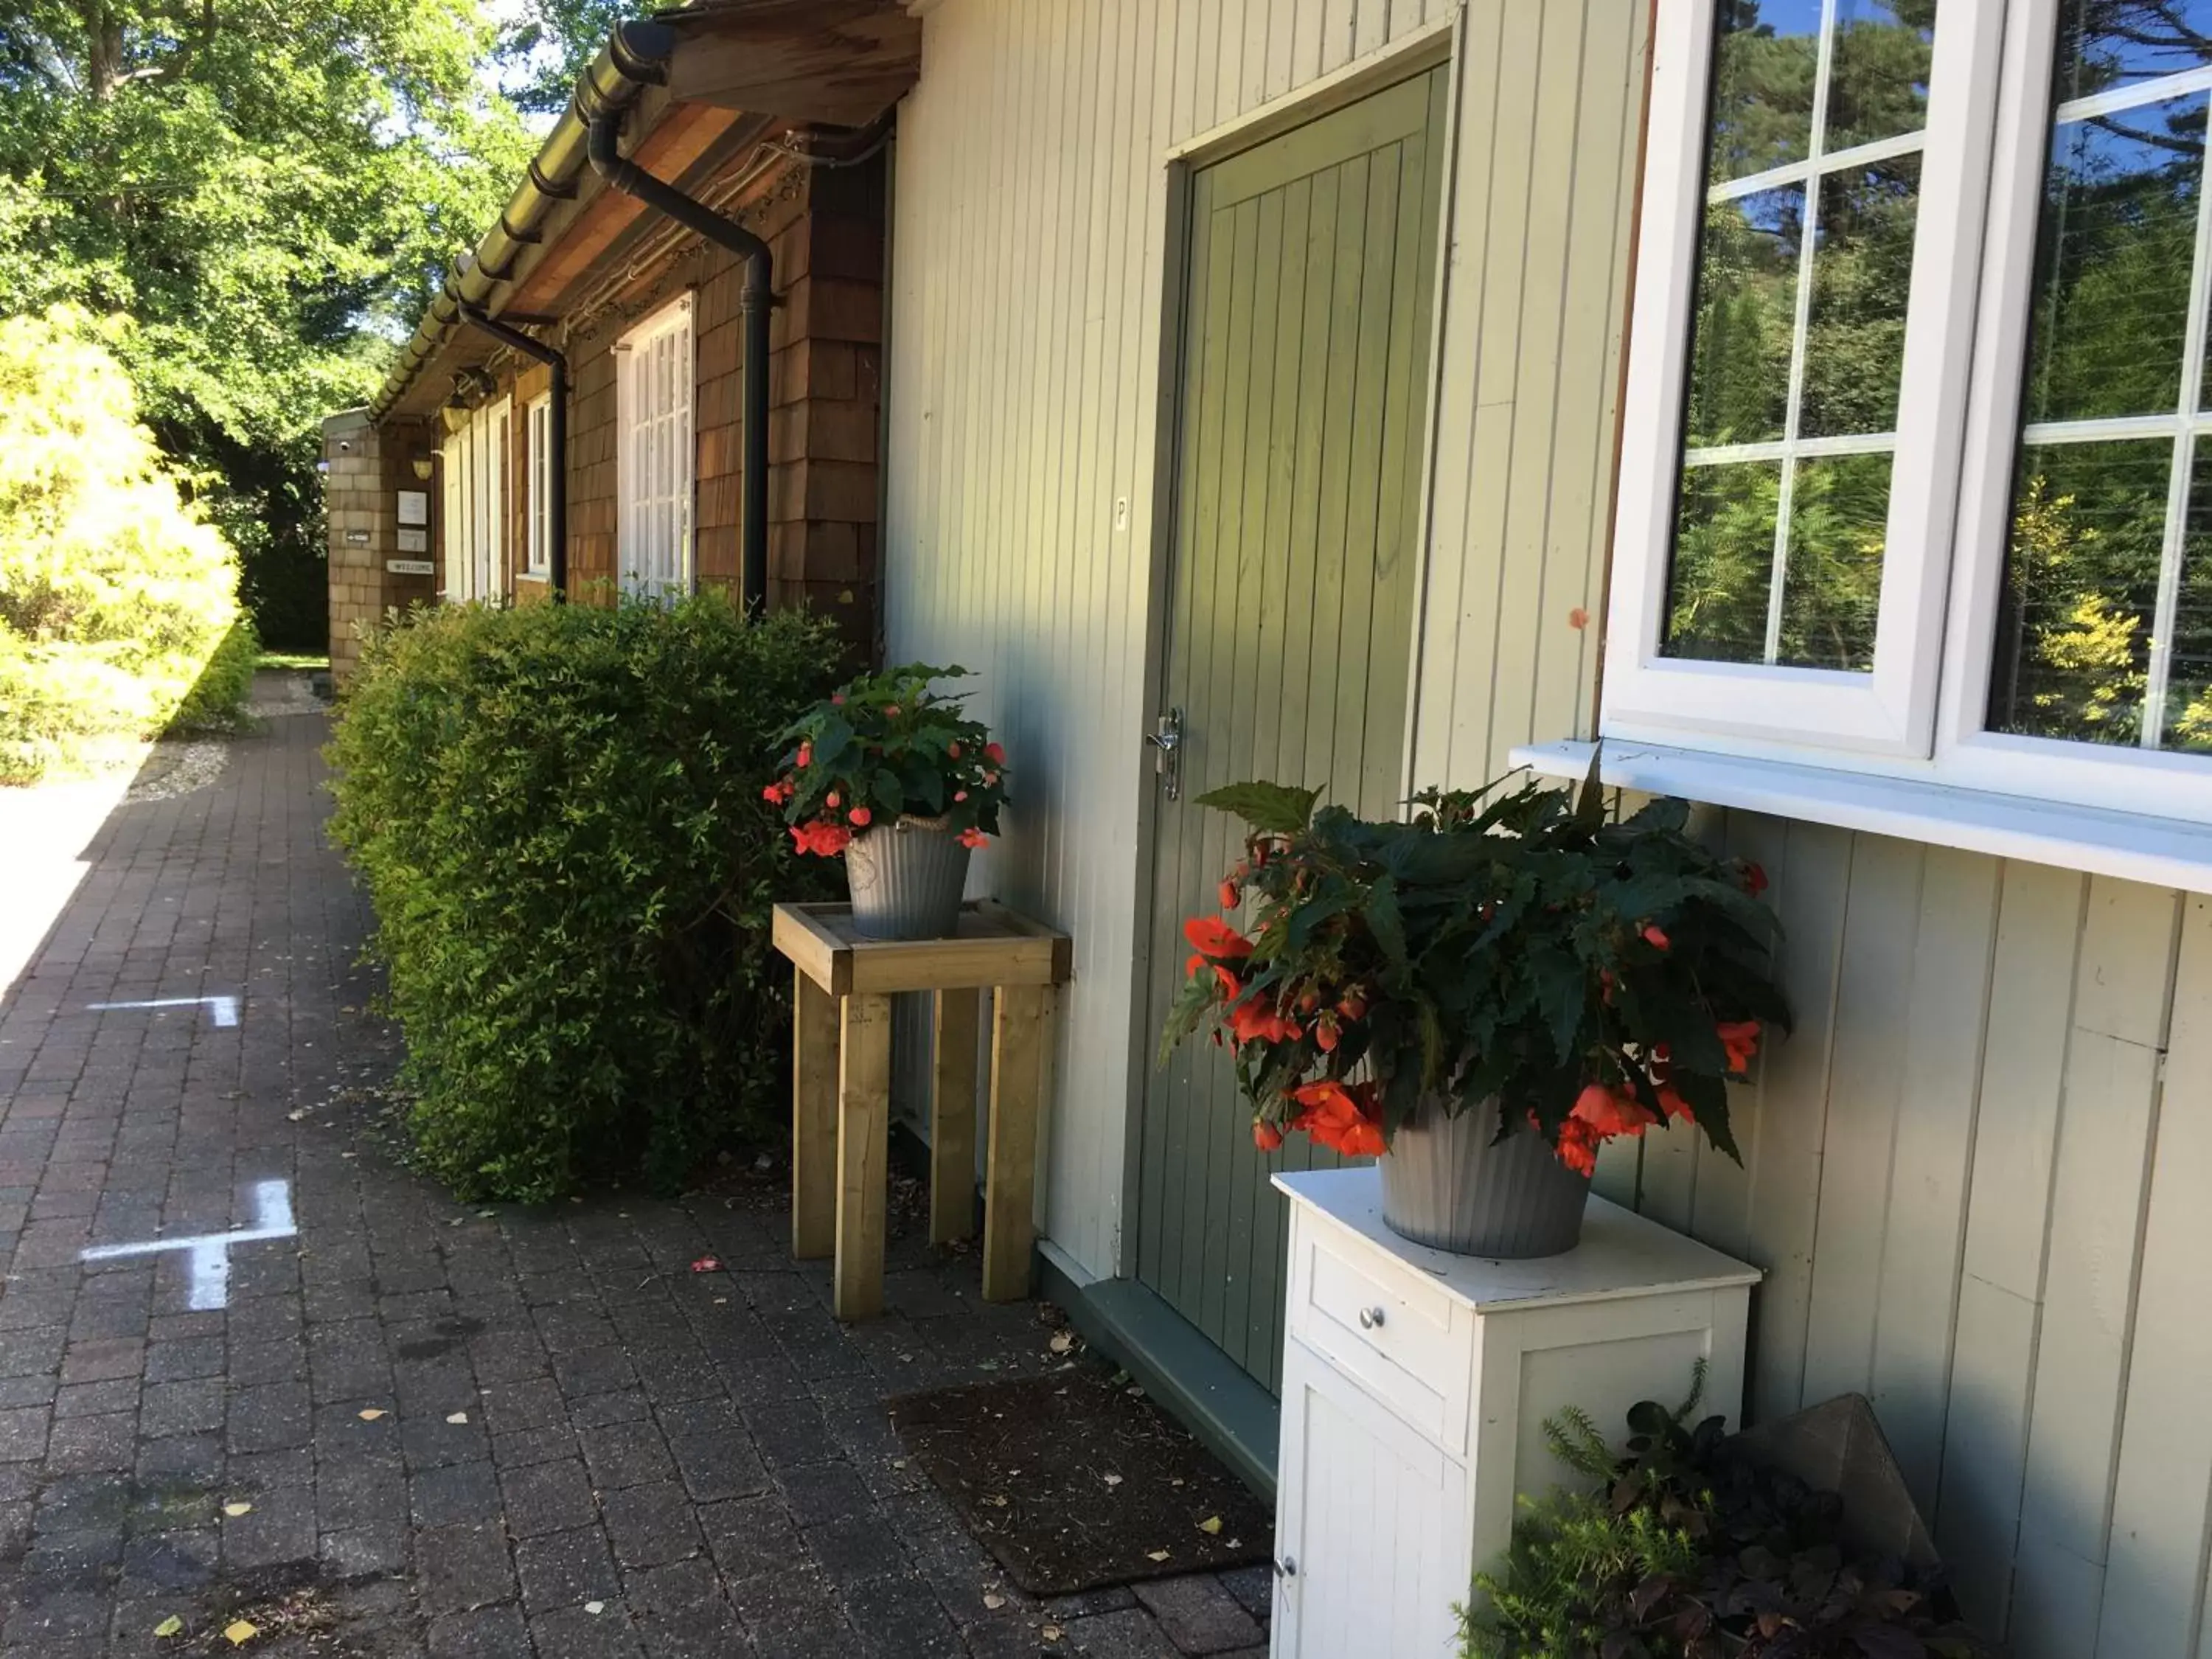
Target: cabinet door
{"x":1371,"y":1527}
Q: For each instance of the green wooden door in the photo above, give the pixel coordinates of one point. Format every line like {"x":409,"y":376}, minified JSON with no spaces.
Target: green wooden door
{"x":1304,"y":378}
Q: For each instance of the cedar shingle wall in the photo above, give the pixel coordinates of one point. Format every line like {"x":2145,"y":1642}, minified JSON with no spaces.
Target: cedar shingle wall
{"x":824,"y":228}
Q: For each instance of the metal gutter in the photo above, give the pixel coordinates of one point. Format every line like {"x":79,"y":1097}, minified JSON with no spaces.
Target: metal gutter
{"x":635,"y":57}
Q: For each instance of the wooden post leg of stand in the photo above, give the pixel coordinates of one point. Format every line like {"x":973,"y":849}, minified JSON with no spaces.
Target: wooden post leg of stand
{"x":864,"y":1116}
{"x":952,"y":1120}
{"x":1018,"y":1057}
{"x":813,"y":1120}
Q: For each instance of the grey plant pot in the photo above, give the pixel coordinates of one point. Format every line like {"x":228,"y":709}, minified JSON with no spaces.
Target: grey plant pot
{"x":1451,"y":1183}
{"x":907,"y":878}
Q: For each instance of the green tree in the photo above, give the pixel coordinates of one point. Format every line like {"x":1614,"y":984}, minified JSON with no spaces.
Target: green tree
{"x":268,"y":194}
{"x":119,"y":607}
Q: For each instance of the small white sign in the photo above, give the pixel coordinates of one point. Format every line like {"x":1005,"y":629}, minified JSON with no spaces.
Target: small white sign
{"x":411,"y":567}
{"x":357,"y":538}
{"x":414,"y":541}
{"x":413,"y":506}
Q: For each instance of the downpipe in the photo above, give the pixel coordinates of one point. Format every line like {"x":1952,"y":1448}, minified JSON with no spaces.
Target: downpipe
{"x":556,"y":528}
{"x":754,"y":301}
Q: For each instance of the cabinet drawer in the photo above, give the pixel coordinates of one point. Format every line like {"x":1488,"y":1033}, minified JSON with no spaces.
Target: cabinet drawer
{"x":1382,"y":1323}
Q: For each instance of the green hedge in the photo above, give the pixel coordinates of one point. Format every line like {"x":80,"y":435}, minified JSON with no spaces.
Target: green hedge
{"x":557,"y":813}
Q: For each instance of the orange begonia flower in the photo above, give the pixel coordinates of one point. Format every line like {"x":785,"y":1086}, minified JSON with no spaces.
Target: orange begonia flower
{"x":1346,"y":1119}
{"x":1655,"y":936}
{"x":1265,"y":1136}
{"x":1610,"y":1112}
{"x":1216,"y":938}
{"x":1577,"y":1146}
{"x":1740,"y":1038}
{"x":1256,"y":1019}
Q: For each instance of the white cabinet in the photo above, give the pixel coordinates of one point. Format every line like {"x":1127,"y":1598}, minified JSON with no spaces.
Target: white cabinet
{"x":1415,"y":1385}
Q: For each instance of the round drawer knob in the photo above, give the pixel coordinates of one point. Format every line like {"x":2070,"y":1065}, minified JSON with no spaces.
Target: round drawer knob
{"x":1370,"y":1319}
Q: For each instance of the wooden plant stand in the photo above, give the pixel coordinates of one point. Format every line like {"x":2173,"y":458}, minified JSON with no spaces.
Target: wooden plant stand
{"x":841,"y":1076}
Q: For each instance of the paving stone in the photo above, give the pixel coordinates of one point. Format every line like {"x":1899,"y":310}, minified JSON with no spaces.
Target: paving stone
{"x":486,"y":1633}
{"x":465,"y":1567}
{"x":566,"y":1569}
{"x":1128,"y":1634}
{"x":545,"y":1497}
{"x":706,"y":1457}
{"x":650,"y":1525}
{"x":454,"y":1493}
{"x":1197,"y":1614}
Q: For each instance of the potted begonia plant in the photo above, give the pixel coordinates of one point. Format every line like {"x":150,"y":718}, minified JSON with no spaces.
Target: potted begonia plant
{"x":897,"y":780}
{"x":1481,"y":995}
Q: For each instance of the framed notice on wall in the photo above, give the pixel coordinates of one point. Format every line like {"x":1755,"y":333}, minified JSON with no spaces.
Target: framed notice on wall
{"x":413,"y":506}
{"x":414,"y":541}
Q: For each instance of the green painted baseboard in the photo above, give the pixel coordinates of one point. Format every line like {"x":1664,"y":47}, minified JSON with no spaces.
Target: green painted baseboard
{"x":1234,"y":1417}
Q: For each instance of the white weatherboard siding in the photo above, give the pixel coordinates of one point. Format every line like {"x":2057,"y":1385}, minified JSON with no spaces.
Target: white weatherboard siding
{"x":1974,"y":1176}
{"x":1031,"y":213}
{"x":1975,"y":1179}
{"x":1031,"y":209}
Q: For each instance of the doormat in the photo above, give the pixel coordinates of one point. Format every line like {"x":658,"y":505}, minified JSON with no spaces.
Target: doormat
{"x":1074,"y":1482}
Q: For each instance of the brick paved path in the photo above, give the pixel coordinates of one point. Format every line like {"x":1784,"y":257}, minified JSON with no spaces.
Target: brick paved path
{"x":571,"y":1420}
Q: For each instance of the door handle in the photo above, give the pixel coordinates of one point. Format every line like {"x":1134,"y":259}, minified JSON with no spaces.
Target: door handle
{"x":1166,"y":740}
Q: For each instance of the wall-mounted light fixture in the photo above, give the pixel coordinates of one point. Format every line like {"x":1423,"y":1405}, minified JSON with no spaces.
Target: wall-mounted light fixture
{"x":423,"y":463}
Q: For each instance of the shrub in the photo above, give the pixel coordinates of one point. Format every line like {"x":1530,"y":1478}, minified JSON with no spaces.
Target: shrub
{"x":119,"y":605}
{"x":558,"y":812}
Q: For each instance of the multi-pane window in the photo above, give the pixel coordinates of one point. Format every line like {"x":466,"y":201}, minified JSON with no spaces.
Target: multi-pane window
{"x":2105,"y":621}
{"x":655,"y":457}
{"x":1796,"y":348}
{"x":477,"y":505}
{"x":538,"y":422}
{"x":1915,"y":475}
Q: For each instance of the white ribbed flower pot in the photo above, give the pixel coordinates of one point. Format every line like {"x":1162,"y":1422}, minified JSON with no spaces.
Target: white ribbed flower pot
{"x":1449,"y":1183}
{"x":907,"y":878}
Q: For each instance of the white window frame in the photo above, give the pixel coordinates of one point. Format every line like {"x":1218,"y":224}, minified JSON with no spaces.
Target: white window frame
{"x":2162,"y":783}
{"x":478,"y":505}
{"x":656,"y":453}
{"x":537,"y":423}
{"x":1919,"y":715}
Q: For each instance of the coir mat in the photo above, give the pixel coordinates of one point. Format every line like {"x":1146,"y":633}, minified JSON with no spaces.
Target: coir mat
{"x":1075,"y":1481}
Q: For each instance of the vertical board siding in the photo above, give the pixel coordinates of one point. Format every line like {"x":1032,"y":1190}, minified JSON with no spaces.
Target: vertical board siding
{"x":1974,"y":1176}
{"x":1030,"y":241}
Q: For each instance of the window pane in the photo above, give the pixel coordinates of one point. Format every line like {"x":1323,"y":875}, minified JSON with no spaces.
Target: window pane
{"x":2189,"y":680}
{"x":1831,"y":585}
{"x":1764,"y":60}
{"x":1878,"y":74}
{"x":1862,"y":278}
{"x":2113,"y":252}
{"x":2104,"y":44}
{"x":1723,"y":561}
{"x":2081,"y":590}
{"x":1747,"y":305}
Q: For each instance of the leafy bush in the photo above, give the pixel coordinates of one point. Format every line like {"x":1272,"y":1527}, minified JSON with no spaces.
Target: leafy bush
{"x":558,"y":812}
{"x":118,"y":606}
{"x":1686,"y":1549}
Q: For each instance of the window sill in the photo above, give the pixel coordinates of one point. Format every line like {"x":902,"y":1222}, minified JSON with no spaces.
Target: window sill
{"x":2164,"y":852}
{"x":538,"y":576}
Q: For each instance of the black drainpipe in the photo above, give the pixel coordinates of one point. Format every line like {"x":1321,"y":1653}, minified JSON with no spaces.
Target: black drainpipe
{"x":556,"y":529}
{"x":754,"y":302}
